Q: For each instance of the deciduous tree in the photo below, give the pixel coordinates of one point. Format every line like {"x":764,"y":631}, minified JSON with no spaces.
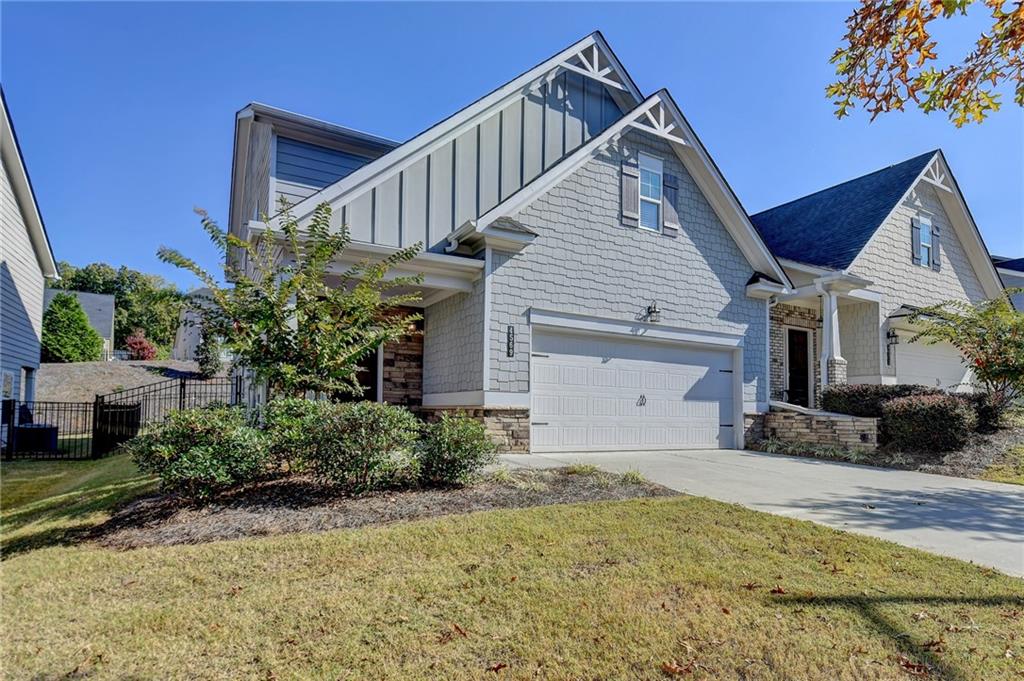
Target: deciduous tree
{"x":889,"y":59}
{"x":294,"y":316}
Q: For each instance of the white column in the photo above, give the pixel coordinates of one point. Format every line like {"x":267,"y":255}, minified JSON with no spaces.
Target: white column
{"x":830,"y":349}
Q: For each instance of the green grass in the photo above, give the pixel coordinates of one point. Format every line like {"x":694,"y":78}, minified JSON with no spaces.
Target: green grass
{"x":43,"y":503}
{"x":1009,"y":469}
{"x":602,"y":590}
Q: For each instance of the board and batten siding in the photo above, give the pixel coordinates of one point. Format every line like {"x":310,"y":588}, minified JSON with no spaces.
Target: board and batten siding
{"x":484,"y":165}
{"x":21,"y":289}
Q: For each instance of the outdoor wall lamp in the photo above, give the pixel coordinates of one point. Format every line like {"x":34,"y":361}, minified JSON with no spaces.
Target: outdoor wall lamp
{"x":892,"y":339}
{"x":653,"y":313}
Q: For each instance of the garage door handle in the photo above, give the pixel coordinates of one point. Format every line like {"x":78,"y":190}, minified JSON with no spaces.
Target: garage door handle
{"x":642,"y":401}
{"x":537,"y":423}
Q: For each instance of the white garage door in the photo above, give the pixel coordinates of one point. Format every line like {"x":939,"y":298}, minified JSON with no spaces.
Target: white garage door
{"x":594,"y":393}
{"x":933,"y":365}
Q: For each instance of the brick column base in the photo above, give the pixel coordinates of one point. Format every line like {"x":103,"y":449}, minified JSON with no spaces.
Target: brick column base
{"x":837,"y":371}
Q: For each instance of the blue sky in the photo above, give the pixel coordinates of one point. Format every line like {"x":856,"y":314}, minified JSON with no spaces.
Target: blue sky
{"x":125,"y":111}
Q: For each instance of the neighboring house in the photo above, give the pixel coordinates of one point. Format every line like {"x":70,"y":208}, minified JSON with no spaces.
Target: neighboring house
{"x":99,"y":308}
{"x":863,"y":256}
{"x":590,"y":281}
{"x":1011,"y":271}
{"x":26,"y":262}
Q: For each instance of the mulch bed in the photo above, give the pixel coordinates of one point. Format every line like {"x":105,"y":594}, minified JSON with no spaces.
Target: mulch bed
{"x":980,"y":453}
{"x":300,"y":504}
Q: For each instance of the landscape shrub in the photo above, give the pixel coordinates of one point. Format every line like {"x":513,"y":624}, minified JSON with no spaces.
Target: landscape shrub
{"x":867,"y":400}
{"x":927,"y":423}
{"x":139,"y":347}
{"x":293,"y":426}
{"x":67,"y":334}
{"x":454,"y":450}
{"x":988,"y":410}
{"x":198,"y":452}
{"x":362,"y":446}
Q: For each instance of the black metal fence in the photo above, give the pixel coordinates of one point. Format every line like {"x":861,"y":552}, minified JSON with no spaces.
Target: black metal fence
{"x":82,"y":430}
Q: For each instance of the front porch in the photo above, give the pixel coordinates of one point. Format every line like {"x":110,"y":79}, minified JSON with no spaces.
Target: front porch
{"x":829,"y":330}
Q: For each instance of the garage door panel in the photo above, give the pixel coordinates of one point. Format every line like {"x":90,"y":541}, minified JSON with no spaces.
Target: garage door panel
{"x":936,"y":365}
{"x":631,"y":394}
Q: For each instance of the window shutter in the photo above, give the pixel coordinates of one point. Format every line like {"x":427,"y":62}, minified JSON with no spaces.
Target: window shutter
{"x":936,"y":248}
{"x":630,"y":193}
{"x":915,"y":240}
{"x":669,"y":201}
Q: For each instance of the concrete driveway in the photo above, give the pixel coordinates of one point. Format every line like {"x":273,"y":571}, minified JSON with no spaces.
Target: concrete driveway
{"x":978,"y":521}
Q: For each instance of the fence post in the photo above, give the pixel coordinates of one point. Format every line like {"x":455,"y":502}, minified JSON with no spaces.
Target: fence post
{"x":95,"y":449}
{"x":181,"y":394}
{"x":7,"y":411}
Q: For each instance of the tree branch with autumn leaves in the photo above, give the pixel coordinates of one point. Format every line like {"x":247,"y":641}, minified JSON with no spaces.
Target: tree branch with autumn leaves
{"x":889,"y":59}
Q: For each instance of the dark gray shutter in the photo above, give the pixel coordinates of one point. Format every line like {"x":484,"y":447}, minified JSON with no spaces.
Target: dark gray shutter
{"x":669,"y":201}
{"x":936,"y":252}
{"x":915,"y":240}
{"x":630,"y":193}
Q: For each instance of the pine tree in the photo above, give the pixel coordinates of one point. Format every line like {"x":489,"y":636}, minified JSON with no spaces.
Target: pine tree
{"x":67,"y":335}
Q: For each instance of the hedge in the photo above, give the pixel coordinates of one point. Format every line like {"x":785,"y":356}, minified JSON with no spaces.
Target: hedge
{"x":868,"y":400}
{"x":931,"y":423}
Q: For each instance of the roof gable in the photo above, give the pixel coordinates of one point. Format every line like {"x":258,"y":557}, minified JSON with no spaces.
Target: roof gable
{"x":14,"y":166}
{"x":558,"y":80}
{"x":829,"y":228}
{"x":660,"y":116}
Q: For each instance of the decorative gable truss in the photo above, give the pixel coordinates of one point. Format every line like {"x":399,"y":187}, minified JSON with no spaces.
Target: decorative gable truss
{"x":658,"y":115}
{"x":454,"y":172}
{"x":937,"y":174}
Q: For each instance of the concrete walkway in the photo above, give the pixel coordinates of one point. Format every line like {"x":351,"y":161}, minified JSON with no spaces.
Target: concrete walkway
{"x":972,"y":520}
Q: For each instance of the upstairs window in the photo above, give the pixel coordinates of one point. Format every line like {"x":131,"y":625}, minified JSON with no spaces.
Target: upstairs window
{"x":925,"y":253}
{"x":651,"y":171}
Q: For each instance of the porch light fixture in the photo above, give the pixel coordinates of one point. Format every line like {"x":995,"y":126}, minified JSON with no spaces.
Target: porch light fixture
{"x":653,"y":313}
{"x":892,"y":339}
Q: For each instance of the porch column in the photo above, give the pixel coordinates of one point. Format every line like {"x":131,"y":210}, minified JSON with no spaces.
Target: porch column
{"x":833,"y":366}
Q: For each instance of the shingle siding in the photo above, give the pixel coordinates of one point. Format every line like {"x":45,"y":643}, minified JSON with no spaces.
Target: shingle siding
{"x":585,"y":262}
{"x":21,"y":289}
{"x":886,"y":261}
{"x":453,"y":343}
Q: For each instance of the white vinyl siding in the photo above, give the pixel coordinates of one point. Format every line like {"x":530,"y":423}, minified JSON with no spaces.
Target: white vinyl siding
{"x":651,"y":171}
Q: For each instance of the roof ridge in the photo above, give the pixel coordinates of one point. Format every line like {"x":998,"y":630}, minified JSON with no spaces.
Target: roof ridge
{"x":844,"y":182}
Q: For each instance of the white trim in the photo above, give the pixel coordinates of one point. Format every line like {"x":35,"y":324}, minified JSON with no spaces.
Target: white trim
{"x":805,"y":268}
{"x":25,"y":198}
{"x":433,"y":138}
{"x":488,"y":270}
{"x":810,"y":359}
{"x":478,"y":399}
{"x":638,"y":330}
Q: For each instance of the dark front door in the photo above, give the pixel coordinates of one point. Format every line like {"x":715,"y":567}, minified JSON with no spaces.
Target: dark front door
{"x":796,"y":357}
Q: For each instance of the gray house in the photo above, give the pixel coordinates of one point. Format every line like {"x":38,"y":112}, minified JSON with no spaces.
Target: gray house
{"x":1011,"y":271}
{"x":99,"y":308}
{"x":590,"y":280}
{"x":26,"y":262}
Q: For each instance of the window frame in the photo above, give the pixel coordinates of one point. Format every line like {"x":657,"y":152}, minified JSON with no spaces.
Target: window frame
{"x":649,"y":163}
{"x":924,"y":250}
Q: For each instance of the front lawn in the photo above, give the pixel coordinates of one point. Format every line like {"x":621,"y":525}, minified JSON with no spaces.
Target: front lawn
{"x":651,"y":588}
{"x":43,"y":503}
{"x":1007,"y":468}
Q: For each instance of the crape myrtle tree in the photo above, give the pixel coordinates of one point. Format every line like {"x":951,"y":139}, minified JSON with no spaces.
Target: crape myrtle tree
{"x":294,"y":317}
{"x":990,"y":338}
{"x":889,"y":59}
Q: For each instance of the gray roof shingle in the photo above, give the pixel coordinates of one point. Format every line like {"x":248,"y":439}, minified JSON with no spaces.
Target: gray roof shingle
{"x":830,"y":227}
{"x":99,"y":308}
